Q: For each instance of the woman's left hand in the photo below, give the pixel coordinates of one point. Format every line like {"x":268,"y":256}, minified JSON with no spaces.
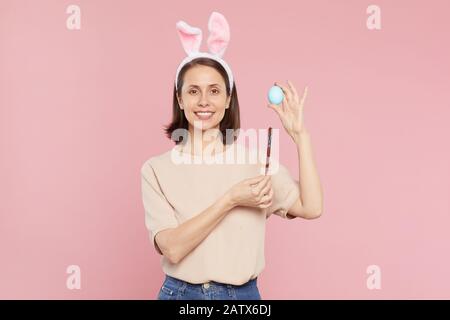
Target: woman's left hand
{"x":291,"y":109}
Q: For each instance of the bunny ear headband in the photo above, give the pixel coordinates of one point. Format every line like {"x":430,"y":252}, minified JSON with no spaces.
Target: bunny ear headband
{"x":219,"y":37}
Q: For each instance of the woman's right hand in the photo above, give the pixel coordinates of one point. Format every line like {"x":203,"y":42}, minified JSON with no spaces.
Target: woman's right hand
{"x":254,"y":192}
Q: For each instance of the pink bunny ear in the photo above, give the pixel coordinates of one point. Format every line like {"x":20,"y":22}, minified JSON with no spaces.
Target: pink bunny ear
{"x":190,"y":37}
{"x":219,"y":34}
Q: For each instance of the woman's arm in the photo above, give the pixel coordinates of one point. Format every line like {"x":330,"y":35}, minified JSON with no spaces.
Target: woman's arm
{"x":310,"y":203}
{"x":176,"y":243}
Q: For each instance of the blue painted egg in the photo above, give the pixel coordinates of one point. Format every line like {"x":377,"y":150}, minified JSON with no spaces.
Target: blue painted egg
{"x":275,"y":95}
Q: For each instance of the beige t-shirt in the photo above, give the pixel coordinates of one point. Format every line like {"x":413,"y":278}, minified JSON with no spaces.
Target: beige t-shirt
{"x":174,"y":191}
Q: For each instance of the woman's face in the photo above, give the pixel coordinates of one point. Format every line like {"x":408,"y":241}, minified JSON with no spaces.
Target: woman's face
{"x":203,"y":97}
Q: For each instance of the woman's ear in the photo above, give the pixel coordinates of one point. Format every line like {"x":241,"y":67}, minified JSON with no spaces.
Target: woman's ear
{"x":180,"y":103}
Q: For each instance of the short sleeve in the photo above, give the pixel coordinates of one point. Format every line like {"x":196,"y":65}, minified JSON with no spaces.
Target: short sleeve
{"x":159,"y":214}
{"x":285,"y":191}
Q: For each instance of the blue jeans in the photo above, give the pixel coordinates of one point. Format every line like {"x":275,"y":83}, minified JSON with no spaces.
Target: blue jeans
{"x":175,"y":289}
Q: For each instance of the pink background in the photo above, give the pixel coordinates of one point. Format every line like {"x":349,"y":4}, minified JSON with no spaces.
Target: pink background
{"x":80,"y":111}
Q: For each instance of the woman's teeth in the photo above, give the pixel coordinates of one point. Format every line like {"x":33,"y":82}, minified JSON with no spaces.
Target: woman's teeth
{"x":204,"y":115}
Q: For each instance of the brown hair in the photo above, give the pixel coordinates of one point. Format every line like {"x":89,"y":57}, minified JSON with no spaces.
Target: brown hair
{"x":230,"y":119}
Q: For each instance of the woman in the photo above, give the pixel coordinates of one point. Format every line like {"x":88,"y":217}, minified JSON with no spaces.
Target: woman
{"x":208,"y":219}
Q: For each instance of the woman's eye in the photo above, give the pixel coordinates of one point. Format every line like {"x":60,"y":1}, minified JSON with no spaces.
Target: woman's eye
{"x":215,"y":91}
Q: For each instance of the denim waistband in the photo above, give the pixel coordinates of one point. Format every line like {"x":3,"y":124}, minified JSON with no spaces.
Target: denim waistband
{"x":182,"y":282}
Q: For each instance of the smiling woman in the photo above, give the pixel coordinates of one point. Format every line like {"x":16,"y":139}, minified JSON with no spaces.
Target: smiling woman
{"x":208,"y":220}
{"x":202,"y":98}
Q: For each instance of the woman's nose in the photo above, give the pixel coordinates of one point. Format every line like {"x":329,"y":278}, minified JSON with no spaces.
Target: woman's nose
{"x":203,"y":99}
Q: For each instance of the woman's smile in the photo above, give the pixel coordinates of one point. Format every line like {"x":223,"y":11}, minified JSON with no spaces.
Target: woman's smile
{"x":204,"y":115}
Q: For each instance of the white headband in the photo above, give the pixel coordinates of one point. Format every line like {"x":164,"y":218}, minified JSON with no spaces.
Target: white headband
{"x":219,"y":37}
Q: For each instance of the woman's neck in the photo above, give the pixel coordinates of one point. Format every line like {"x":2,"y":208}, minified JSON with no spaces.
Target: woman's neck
{"x":200,"y":141}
